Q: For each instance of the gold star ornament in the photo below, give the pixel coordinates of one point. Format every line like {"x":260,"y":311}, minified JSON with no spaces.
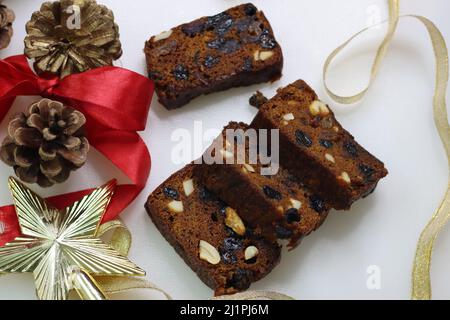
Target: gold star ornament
{"x":55,"y":242}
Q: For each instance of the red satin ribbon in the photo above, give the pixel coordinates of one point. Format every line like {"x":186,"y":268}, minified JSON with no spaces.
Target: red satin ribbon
{"x":115,"y":102}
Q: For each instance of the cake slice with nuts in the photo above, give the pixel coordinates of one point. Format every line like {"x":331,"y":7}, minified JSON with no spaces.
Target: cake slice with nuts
{"x":234,"y":48}
{"x":226,"y":254}
{"x":274,"y":201}
{"x":316,"y":149}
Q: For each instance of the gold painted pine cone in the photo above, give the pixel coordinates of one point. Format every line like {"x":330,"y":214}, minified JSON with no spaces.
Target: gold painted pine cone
{"x":61,"y":46}
{"x":6,"y":31}
{"x":45,"y":143}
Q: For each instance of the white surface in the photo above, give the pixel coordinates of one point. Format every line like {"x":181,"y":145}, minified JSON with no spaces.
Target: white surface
{"x":394,"y":122}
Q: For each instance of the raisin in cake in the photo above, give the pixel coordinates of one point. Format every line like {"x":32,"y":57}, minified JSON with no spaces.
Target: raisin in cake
{"x":316,"y":149}
{"x":233,"y":48}
{"x":194,"y":222}
{"x":277,"y":203}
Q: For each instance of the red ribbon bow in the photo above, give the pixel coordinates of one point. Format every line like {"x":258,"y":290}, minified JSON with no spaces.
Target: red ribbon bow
{"x":115,"y":102}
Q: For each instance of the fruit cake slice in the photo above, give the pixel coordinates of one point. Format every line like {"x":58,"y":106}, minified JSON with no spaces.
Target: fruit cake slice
{"x":194,"y":222}
{"x":234,"y":48}
{"x":316,"y":149}
{"x":277,"y":203}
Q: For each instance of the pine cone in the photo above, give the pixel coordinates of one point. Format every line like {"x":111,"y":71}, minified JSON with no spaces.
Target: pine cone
{"x":45,"y":143}
{"x":6,"y":31}
{"x":62,"y":47}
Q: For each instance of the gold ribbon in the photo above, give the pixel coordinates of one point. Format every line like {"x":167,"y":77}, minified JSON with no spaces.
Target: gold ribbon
{"x":255,"y":295}
{"x":120,"y":239}
{"x":421,"y":284}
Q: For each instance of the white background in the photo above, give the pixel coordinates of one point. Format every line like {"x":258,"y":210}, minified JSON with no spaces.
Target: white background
{"x":394,"y":122}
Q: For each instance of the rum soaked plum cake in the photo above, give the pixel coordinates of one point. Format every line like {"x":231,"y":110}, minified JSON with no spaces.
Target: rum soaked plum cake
{"x":317,"y":149}
{"x":234,"y":48}
{"x":225,"y":253}
{"x":276,"y":202}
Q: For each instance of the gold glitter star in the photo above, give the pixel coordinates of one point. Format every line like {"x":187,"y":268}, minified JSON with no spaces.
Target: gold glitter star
{"x":54,"y":241}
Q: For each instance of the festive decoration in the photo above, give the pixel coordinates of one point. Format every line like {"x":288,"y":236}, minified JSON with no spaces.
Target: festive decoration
{"x":112,"y":118}
{"x":421,"y":284}
{"x":46,"y":143}
{"x":54,"y":243}
{"x":119,"y":238}
{"x":72,"y":36}
{"x":110,"y":123}
{"x":6,"y":31}
{"x":62,"y":248}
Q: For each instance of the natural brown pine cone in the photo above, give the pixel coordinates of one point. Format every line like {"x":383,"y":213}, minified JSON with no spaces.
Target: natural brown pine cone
{"x":64,"y":40}
{"x":6,"y":31}
{"x":45,"y":143}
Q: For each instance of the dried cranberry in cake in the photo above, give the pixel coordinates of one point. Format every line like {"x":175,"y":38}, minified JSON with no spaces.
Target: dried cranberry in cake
{"x":317,"y":150}
{"x":220,"y":23}
{"x":351,"y":148}
{"x":180,"y":72}
{"x":211,"y":61}
{"x":282,"y":232}
{"x":303,"y":138}
{"x":326,"y":143}
{"x":247,"y":65}
{"x":267,"y":41}
{"x":193,"y":28}
{"x":205,"y":194}
{"x":241,"y":279}
{"x":171,"y":193}
{"x":234,"y":48}
{"x":232,"y":244}
{"x":317,"y":204}
{"x":276,"y":204}
{"x":257,"y":100}
{"x":224,"y":45}
{"x":250,"y":9}
{"x":193,"y":221}
{"x":366,"y":171}
{"x":272,"y":193}
{"x":292,"y":215}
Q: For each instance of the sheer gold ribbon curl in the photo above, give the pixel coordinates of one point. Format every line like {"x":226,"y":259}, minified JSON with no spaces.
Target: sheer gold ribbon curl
{"x":421,"y":284}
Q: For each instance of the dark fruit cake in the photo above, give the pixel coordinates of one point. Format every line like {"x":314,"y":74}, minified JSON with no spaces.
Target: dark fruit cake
{"x":276,"y":203}
{"x":209,"y":236}
{"x":316,"y":149}
{"x":234,"y":48}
